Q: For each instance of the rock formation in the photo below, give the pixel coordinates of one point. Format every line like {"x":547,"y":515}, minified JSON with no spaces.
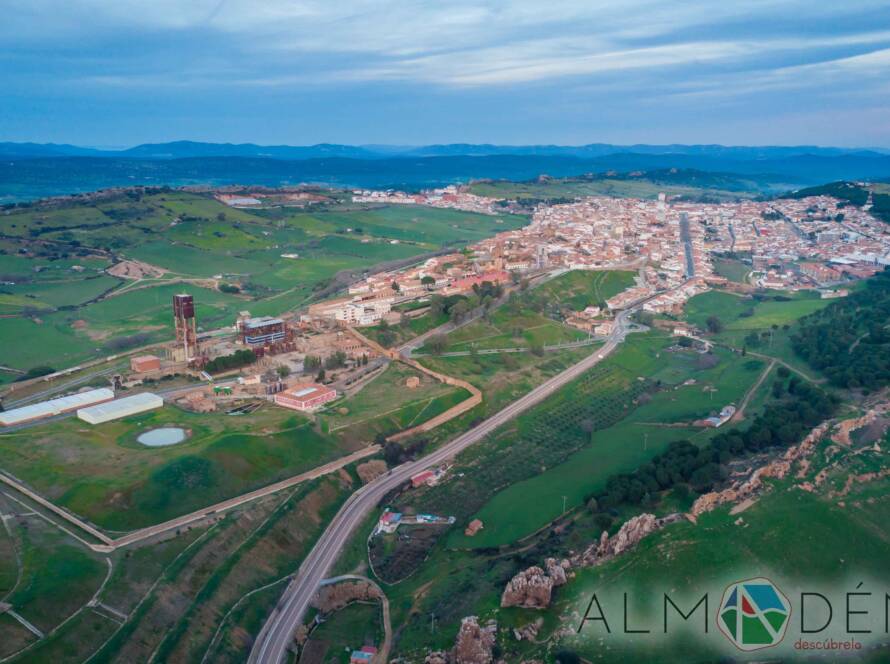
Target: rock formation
{"x":627,"y":537}
{"x":532,"y":587}
{"x":474,"y":642}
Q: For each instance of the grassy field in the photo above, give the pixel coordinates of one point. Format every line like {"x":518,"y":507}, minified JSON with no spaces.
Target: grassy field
{"x":583,"y":288}
{"x":764,"y":326}
{"x":510,"y":326}
{"x":644,"y":430}
{"x":732,"y":269}
{"x":386,"y":405}
{"x":102,"y":473}
{"x":52,"y":264}
{"x":52,"y":577}
{"x":602,"y":186}
{"x":791,"y":536}
{"x":348,"y":629}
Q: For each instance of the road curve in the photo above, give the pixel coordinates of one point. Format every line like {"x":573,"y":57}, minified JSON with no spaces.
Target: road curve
{"x":277,"y":633}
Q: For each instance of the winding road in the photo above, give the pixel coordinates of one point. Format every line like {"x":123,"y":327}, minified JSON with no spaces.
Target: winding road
{"x":277,"y":634}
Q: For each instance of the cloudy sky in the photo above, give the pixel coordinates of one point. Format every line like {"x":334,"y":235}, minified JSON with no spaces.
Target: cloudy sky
{"x":121,"y":72}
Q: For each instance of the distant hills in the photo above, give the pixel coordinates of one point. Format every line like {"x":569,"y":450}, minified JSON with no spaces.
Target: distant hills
{"x":192,"y":149}
{"x":29,"y":170}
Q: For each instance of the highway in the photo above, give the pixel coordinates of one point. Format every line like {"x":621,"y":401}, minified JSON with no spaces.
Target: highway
{"x":277,"y":633}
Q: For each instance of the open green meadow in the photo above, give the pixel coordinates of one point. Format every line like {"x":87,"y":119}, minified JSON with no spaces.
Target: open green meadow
{"x":797,"y":539}
{"x":762,"y":324}
{"x":102,"y":473}
{"x":732,"y":269}
{"x":386,"y":405}
{"x":52,"y":262}
{"x":628,"y":187}
{"x":348,"y":629}
{"x":579,"y":289}
{"x":510,"y":326}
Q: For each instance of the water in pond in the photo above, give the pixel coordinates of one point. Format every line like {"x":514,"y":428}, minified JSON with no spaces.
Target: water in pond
{"x":162,"y":437}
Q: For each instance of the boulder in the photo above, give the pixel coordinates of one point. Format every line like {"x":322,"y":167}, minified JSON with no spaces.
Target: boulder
{"x":529,"y":589}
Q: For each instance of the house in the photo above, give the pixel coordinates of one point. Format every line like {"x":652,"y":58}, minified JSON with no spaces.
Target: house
{"x":423,"y":477}
{"x":305,"y":397}
{"x":474,"y":527}
{"x":389,"y":521}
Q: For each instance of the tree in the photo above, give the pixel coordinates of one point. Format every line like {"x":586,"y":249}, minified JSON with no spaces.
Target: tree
{"x":319,"y":377}
{"x":282,"y":370}
{"x":437,"y":344}
{"x":311,"y":363}
{"x":459,"y":311}
{"x":714,"y":325}
{"x":428,"y":281}
{"x":395,"y":287}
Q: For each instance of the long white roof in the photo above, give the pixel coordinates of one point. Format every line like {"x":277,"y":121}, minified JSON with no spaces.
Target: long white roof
{"x":55,"y":406}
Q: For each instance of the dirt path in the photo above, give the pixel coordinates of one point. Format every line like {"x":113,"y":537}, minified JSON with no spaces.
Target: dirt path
{"x":740,"y":413}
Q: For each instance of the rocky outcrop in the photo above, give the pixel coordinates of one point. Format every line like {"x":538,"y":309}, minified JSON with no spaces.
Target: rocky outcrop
{"x":474,"y":643}
{"x":532,"y":587}
{"x":528,"y":632}
{"x":779,"y":469}
{"x":627,"y":537}
{"x":437,"y":657}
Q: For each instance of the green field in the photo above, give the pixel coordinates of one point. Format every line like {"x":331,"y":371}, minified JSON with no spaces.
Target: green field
{"x":628,"y":187}
{"x":102,"y":473}
{"x":348,"y":629}
{"x":509,"y":326}
{"x":579,"y":289}
{"x":790,"y":536}
{"x":525,"y":506}
{"x":762,"y":324}
{"x":386,"y":405}
{"x":52,"y":262}
{"x":732,"y":269}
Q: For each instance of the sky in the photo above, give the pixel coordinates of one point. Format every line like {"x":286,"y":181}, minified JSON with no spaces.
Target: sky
{"x":116,"y":73}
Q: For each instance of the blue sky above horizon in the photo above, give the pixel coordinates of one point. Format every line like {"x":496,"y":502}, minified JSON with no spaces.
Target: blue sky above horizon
{"x":115,"y":73}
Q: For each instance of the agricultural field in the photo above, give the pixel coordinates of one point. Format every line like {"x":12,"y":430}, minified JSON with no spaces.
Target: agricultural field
{"x":54,"y":288}
{"x":579,"y":289}
{"x":102,"y":473}
{"x":664,"y":415}
{"x":386,"y":405}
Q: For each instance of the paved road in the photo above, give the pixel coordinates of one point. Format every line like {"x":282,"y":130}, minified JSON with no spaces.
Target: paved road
{"x":277,"y":634}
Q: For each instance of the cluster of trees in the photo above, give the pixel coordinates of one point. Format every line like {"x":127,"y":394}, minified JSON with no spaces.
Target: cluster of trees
{"x":240,"y":358}
{"x":395,"y":453}
{"x":849,"y":340}
{"x":229,"y":288}
{"x":801,"y":407}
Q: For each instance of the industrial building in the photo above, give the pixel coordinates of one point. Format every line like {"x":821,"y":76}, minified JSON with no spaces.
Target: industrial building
{"x":57,"y":406}
{"x":114,"y":410}
{"x":305,"y":397}
{"x":145,"y":363}
{"x":262,"y":331}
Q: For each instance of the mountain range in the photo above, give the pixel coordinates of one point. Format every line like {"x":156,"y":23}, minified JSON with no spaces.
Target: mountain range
{"x":193,"y":149}
{"x":29,"y":170}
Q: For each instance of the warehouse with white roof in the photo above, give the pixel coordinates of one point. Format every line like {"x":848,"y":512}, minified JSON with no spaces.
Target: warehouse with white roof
{"x":114,"y":410}
{"x":56,"y":406}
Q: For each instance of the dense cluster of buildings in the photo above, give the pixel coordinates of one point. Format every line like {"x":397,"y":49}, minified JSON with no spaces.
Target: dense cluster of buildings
{"x":449,"y":197}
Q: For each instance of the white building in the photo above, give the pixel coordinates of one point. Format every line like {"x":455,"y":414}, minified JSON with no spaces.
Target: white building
{"x":114,"y":410}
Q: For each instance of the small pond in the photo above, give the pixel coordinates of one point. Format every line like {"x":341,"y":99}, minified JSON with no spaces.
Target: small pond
{"x":162,"y":437}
